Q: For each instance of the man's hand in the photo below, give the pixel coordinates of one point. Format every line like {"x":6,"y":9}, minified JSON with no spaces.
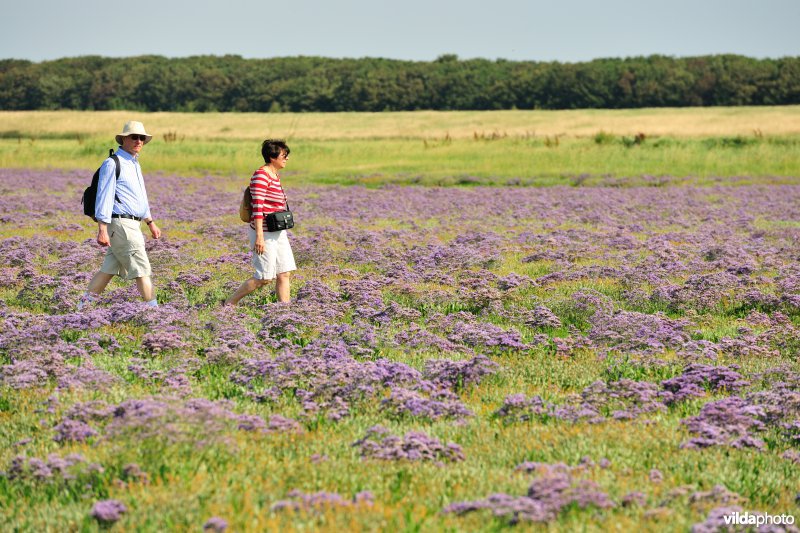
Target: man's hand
{"x":102,"y":234}
{"x":154,"y":230}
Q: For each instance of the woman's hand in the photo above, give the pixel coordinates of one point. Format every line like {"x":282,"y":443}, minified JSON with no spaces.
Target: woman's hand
{"x":259,"y":246}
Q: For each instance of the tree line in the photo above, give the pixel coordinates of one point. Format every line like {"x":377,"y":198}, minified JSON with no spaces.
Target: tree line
{"x":232,"y":83}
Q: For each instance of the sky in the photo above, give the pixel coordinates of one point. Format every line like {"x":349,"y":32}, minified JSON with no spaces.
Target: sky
{"x":418,"y":30}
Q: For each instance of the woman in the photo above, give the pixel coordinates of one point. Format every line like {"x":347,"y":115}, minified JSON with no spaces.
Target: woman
{"x":272,"y":254}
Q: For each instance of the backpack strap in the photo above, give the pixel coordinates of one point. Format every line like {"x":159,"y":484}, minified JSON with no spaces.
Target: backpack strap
{"x":115,"y":157}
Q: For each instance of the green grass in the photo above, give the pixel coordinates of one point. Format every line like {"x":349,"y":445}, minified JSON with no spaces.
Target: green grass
{"x":456,"y":162}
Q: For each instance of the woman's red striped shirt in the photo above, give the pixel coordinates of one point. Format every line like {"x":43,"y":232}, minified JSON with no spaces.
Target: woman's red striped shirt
{"x":267,"y":195}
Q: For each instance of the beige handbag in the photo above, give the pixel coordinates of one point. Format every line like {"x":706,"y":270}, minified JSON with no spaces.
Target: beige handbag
{"x":246,"y":207}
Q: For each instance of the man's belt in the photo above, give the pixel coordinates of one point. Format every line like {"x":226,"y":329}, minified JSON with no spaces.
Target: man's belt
{"x":137,"y":219}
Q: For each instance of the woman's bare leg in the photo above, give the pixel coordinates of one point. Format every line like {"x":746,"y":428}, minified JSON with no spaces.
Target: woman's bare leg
{"x":244,"y":289}
{"x":283,"y":285}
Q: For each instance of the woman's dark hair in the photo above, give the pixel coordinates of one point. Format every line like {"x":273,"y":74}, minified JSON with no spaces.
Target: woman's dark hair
{"x":272,"y":148}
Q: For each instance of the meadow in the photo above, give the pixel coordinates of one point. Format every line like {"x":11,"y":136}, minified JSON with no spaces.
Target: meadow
{"x":614,"y":352}
{"x":598,"y":147}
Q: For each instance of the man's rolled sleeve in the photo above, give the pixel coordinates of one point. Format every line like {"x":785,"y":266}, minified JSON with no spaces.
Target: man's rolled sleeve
{"x":104,"y":203}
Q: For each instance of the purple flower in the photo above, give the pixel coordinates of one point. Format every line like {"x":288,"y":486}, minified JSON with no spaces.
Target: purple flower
{"x":73,"y":430}
{"x":697,"y":378}
{"x":319,"y":501}
{"x":414,"y":446}
{"x":215,"y":524}
{"x":656,"y":476}
{"x":459,"y":374}
{"x":546,"y":498}
{"x":108,"y":511}
{"x":725,"y":422}
{"x":404,"y":402}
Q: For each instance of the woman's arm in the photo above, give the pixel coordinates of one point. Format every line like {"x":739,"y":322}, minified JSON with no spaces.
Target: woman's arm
{"x":259,"y":246}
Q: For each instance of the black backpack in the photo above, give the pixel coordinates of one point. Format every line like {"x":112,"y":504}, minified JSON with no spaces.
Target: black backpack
{"x":90,"y":194}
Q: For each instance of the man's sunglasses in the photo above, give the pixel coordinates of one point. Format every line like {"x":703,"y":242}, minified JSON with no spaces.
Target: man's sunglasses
{"x":138,"y":137}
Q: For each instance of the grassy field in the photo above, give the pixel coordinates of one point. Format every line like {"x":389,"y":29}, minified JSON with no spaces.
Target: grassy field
{"x":705,"y":145}
{"x":599,"y":301}
{"x":604,"y":358}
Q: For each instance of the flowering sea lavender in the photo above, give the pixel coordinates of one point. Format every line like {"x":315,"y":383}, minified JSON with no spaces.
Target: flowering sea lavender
{"x":626,"y":399}
{"x":408,"y":403}
{"x":547,"y":469}
{"x":328,"y":379}
{"x":415,"y":337}
{"x":697,"y":378}
{"x":719,"y":495}
{"x":514,"y":281}
{"x":320,"y":501}
{"x":230,"y":333}
{"x":634,"y":499}
{"x":73,"y":431}
{"x":779,"y":407}
{"x":514,"y":508}
{"x":518,"y":407}
{"x":282,"y":424}
{"x":215,"y":524}
{"x":133,"y":472}
{"x":792,"y":456}
{"x":542,"y":317}
{"x":547,"y":497}
{"x":175,"y":379}
{"x":457,"y":375}
{"x":632,"y":331}
{"x":23,"y":467}
{"x":395,"y":311}
{"x":727,"y":422}
{"x":560,"y":490}
{"x":108,"y":511}
{"x":163,"y":340}
{"x":464,"y":328}
{"x":195,"y":420}
{"x":414,"y":446}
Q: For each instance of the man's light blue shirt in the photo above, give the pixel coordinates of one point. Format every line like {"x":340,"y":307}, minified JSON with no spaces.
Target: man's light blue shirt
{"x":128,"y":188}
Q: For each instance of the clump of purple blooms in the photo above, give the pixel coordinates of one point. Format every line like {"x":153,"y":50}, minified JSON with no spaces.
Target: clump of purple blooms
{"x":195,"y":420}
{"x":320,"y":501}
{"x":108,"y":511}
{"x":378,"y":443}
{"x":215,"y":524}
{"x":696,"y":379}
{"x":547,"y":497}
{"x":55,"y":467}
{"x":730,"y":422}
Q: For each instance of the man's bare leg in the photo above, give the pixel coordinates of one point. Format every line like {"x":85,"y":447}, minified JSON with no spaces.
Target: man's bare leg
{"x":99,"y":282}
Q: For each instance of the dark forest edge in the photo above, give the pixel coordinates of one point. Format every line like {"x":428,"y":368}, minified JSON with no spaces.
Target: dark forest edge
{"x":296,"y":84}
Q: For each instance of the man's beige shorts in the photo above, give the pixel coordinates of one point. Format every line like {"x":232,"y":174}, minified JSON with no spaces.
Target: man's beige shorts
{"x":126,"y":256}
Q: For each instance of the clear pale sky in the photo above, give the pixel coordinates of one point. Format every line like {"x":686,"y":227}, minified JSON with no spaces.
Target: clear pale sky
{"x":539,"y":30}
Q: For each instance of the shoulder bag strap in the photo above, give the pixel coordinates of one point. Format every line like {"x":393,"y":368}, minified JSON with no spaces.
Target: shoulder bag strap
{"x":285,"y":200}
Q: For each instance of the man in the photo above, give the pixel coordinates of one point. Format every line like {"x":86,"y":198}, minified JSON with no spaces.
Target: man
{"x":120,"y":208}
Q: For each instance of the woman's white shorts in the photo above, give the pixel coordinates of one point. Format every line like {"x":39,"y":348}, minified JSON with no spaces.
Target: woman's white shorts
{"x":277,"y":257}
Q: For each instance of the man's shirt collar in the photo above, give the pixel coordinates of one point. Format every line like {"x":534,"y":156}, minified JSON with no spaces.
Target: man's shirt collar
{"x":125,"y":155}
